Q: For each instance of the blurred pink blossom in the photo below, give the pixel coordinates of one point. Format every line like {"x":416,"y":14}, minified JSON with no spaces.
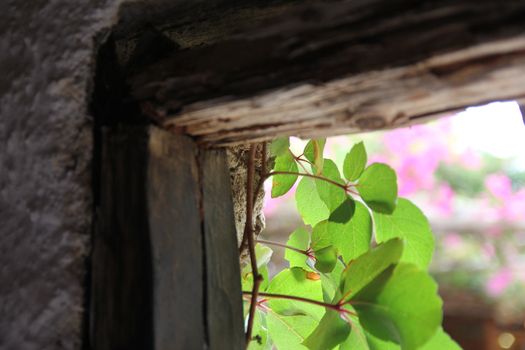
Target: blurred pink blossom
{"x":444,"y":200}
{"x":494,"y":231}
{"x":510,"y":205}
{"x":415,"y":154}
{"x":486,"y":211}
{"x":452,"y":240}
{"x":470,"y":159}
{"x":489,"y":250}
{"x":273,"y":204}
{"x":515,"y":206}
{"x":416,"y":172}
{"x":499,"y":185}
{"x":498,"y":282}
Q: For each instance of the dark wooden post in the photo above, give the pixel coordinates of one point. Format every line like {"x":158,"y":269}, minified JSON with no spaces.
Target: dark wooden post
{"x":223,"y":289}
{"x":165,"y":272}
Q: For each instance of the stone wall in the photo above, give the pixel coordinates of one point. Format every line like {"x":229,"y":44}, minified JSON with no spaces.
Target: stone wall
{"x":47,"y":64}
{"x":47,"y":51}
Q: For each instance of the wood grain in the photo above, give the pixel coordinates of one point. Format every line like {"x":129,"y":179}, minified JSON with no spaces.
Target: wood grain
{"x":369,"y":101}
{"x":147,"y":263}
{"x":313,"y":68}
{"x":223,"y":287}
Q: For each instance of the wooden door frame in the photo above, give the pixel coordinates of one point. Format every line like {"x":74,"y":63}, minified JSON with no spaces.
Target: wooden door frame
{"x":164,"y":267}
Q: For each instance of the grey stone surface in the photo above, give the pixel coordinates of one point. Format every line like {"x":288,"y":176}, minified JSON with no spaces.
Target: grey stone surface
{"x":46,"y":63}
{"x":47,"y":54}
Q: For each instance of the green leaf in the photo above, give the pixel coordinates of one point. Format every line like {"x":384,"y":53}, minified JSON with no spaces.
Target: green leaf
{"x":309,"y":204}
{"x":410,"y":224}
{"x":314,"y":153}
{"x":325,"y":259}
{"x":378,"y":188}
{"x":332,"y":195}
{"x":296,"y":282}
{"x":321,"y":236}
{"x":309,"y":150}
{"x":263,"y":254}
{"x":288,"y":332}
{"x":352,"y":238}
{"x":441,"y":341}
{"x":363,"y":270}
{"x":355,"y":162}
{"x":299,"y":239}
{"x":402,"y":305}
{"x":331,"y":331}
{"x":280,"y":146}
{"x":375,"y":343}
{"x":344,"y":212}
{"x":247,"y":279}
{"x":357,"y":339}
{"x":331,"y":281}
{"x":283,"y":183}
{"x":259,"y":333}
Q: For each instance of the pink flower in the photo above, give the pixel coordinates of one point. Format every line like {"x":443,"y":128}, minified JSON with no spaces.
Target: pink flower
{"x":498,"y":282}
{"x":489,"y":250}
{"x":486,"y":211}
{"x":494,"y":231}
{"x":452,"y":240}
{"x":499,"y":185}
{"x":415,"y":173}
{"x":273,"y":204}
{"x":470,"y":160}
{"x":514,"y":207}
{"x":444,"y":200}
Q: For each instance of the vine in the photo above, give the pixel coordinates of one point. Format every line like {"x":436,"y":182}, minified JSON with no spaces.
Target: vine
{"x":358,"y":268}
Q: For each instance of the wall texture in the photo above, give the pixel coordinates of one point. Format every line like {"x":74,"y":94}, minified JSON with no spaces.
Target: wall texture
{"x":47,"y":64}
{"x":47,"y":51}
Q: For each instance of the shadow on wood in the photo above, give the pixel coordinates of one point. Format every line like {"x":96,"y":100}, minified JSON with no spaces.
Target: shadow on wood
{"x":156,"y":283}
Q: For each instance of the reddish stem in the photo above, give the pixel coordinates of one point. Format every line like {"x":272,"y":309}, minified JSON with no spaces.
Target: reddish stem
{"x":335,"y":183}
{"x":248,"y":232}
{"x":305,"y":252}
{"x":335,"y":307}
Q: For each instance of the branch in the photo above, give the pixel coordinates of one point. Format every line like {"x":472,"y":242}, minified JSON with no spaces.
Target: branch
{"x":248,"y":232}
{"x":335,"y":307}
{"x":335,"y":183}
{"x":305,"y":252}
{"x":298,"y":160}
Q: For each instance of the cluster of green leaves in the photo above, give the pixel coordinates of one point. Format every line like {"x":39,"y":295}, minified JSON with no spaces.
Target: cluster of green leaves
{"x":361,"y":259}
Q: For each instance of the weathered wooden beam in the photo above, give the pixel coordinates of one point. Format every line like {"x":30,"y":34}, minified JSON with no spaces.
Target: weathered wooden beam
{"x":368,"y":101}
{"x":223,"y":289}
{"x":323,"y":68}
{"x":147,"y":257}
{"x":165,"y":266}
{"x":122,"y":271}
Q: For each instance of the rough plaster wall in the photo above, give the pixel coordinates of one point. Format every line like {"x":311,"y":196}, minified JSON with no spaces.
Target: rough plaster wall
{"x":46,"y":57}
{"x":237,"y":162}
{"x":47,"y":50}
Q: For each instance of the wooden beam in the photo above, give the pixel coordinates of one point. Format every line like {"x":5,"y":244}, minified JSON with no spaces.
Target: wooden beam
{"x":174,"y":215}
{"x":369,"y":101}
{"x":223,"y":289}
{"x":316,"y":68}
{"x":147,"y":256}
{"x":165,"y":266}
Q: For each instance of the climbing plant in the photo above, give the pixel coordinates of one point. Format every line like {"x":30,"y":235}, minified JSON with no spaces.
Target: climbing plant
{"x":358,"y":268}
